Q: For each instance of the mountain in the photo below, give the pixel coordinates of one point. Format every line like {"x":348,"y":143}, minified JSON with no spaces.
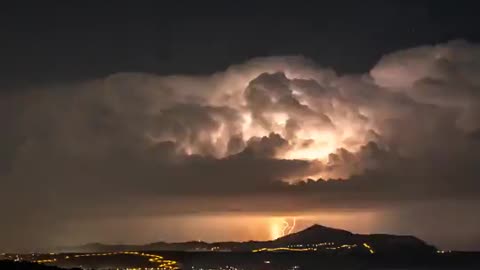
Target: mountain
{"x":380,"y":243}
{"x":316,"y":238}
{"x":316,"y":234}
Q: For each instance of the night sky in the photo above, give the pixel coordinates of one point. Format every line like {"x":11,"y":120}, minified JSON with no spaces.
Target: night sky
{"x":149,"y":121}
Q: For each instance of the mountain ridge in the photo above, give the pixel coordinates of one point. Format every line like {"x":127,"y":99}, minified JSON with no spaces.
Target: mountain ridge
{"x":314,"y":238}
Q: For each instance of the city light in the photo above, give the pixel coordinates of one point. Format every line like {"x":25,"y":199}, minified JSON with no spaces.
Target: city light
{"x":162,"y":264}
{"x":369,"y":248}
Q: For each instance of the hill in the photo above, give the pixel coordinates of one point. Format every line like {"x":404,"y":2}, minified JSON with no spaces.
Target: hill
{"x":316,"y":238}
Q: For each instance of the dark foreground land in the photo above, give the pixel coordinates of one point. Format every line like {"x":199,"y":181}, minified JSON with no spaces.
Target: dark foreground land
{"x":267,"y":261}
{"x":7,"y":265}
{"x":315,"y":248}
{"x":315,"y":261}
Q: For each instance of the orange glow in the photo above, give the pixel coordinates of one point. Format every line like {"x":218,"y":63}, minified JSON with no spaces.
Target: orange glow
{"x":280,"y":119}
{"x":310,"y":145}
{"x":276,"y":230}
{"x":280,"y":227}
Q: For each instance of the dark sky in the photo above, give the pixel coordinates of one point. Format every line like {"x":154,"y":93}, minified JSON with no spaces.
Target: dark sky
{"x":64,"y":41}
{"x":160,"y":120}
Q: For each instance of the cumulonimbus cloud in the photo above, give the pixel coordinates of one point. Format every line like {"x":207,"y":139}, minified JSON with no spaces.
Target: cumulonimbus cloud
{"x":406,"y":128}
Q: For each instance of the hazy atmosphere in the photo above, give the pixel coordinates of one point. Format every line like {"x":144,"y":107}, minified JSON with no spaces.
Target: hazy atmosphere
{"x":158,"y":149}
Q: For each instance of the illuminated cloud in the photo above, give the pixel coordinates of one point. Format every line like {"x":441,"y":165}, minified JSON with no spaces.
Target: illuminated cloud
{"x":407,"y":130}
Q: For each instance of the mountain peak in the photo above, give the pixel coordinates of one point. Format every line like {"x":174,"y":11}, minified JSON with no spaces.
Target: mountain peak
{"x":321,"y":227}
{"x":316,"y":233}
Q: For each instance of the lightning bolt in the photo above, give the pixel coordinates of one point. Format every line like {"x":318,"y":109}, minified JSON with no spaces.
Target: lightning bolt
{"x":287,"y":227}
{"x":293,"y":225}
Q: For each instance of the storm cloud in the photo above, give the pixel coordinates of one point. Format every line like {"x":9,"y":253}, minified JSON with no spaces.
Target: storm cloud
{"x":271,"y":128}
